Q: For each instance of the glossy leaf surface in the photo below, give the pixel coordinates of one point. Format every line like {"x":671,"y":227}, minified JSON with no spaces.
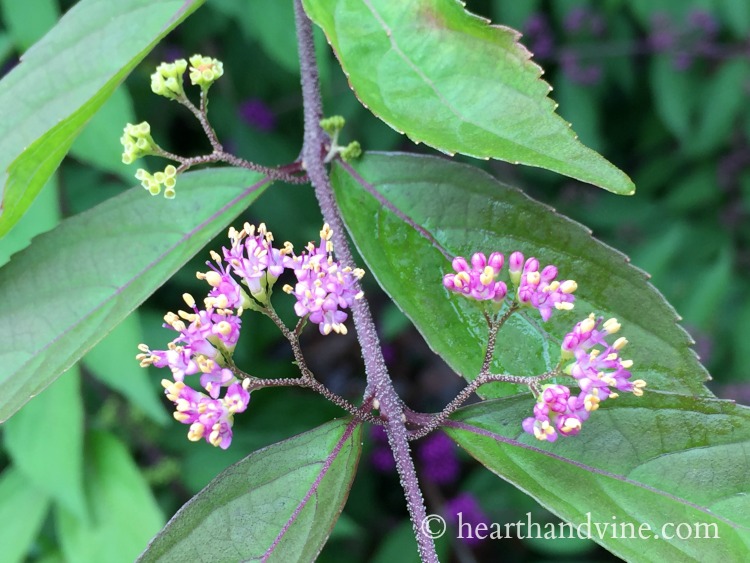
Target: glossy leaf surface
{"x":677,"y":465}
{"x":465,"y":210}
{"x":73,"y":285}
{"x":63,"y":80}
{"x":277,"y":504}
{"x":450,"y":80}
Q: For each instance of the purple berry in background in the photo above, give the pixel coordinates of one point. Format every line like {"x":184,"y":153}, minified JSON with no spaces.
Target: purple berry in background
{"x":464,"y":512}
{"x":438,"y":460}
{"x":257,"y":114}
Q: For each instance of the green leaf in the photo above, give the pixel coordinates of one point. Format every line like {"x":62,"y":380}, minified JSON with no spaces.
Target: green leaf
{"x":450,"y":80}
{"x":124,"y":512}
{"x":400,"y":545}
{"x":23,"y":508}
{"x":63,"y":80}
{"x":76,"y":282}
{"x":6,"y":46}
{"x":99,"y":142}
{"x":279,"y":502}
{"x":723,"y":100}
{"x":28,"y":21}
{"x":465,"y":210}
{"x":515,"y":14}
{"x":272,"y":23}
{"x":657,"y":460}
{"x":43,"y":215}
{"x":111,"y":361}
{"x":737,"y":16}
{"x":45,"y":442}
{"x":674,"y":95}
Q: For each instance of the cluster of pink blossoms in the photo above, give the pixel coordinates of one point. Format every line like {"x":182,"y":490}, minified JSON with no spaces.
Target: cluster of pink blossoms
{"x":597,"y":368}
{"x":539,"y":290}
{"x":323,"y":287}
{"x":207,"y":337}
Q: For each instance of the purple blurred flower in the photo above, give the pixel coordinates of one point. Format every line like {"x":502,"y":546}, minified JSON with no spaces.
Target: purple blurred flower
{"x":583,"y":20}
{"x":703,"y":21}
{"x":381,"y":456}
{"x":465,"y":513}
{"x":586,"y":75}
{"x":576,"y":19}
{"x":539,"y":36}
{"x":257,"y":114}
{"x":682,"y":60}
{"x":437,"y":456}
{"x":662,"y":36}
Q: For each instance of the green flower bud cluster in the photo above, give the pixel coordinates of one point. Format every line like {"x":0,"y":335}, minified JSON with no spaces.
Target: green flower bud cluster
{"x":154,"y":182}
{"x":333,"y":126}
{"x":204,"y":71}
{"x":167,"y":80}
{"x":137,"y":142}
{"x":351,"y":151}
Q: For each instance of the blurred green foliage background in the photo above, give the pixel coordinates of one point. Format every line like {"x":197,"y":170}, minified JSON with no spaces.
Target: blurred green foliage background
{"x":660,"y":87}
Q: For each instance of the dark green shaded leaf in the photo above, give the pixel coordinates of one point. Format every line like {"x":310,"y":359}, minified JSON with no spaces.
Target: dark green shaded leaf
{"x":674,"y":94}
{"x":124,"y":513}
{"x":737,"y":16}
{"x":63,"y":80}
{"x":76,"y":282}
{"x":724,"y":98}
{"x":450,"y":80}
{"x":52,"y":458}
{"x":23,"y":508}
{"x":467,"y":211}
{"x":657,"y":460}
{"x":112,"y":361}
{"x":279,"y":502}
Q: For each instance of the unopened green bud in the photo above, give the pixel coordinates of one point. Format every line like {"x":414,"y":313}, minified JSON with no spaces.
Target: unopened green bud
{"x":333,"y":124}
{"x":351,"y":151}
{"x":204,"y":71}
{"x":167,"y":80}
{"x":137,"y":142}
{"x":154,"y":182}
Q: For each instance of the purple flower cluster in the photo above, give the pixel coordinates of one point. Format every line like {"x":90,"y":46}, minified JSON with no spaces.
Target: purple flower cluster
{"x":438,"y":460}
{"x":694,"y":39}
{"x":597,"y":368}
{"x":381,"y":456}
{"x":536,"y":289}
{"x":253,"y":258}
{"x":205,"y":341}
{"x":464,"y":512}
{"x":540,"y":289}
{"x":257,"y":114}
{"x":478,"y":280}
{"x":538,"y":34}
{"x":323,"y":287}
{"x":207,"y":337}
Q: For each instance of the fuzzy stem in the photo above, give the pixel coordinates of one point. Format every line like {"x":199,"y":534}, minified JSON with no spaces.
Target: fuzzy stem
{"x":378,"y":380}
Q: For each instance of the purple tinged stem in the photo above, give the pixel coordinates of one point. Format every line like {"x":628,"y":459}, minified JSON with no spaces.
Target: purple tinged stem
{"x":378,"y":380}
